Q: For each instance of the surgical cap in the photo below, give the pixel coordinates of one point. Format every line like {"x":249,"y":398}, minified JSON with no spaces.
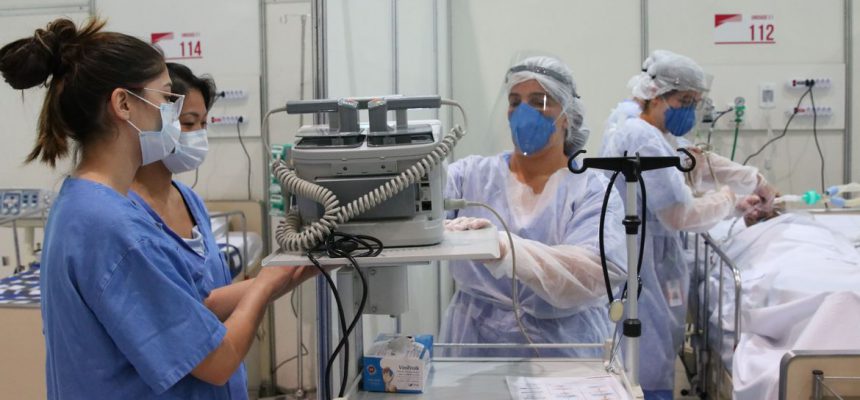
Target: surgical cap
{"x":557,"y":80}
{"x":665,"y":71}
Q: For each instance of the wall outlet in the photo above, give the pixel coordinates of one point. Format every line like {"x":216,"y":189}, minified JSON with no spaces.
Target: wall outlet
{"x":805,"y":82}
{"x":227,"y":120}
{"x":806,"y":111}
{"x":233,"y":94}
{"x":767,"y":96}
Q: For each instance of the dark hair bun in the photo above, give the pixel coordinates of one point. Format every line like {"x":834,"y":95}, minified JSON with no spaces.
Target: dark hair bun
{"x":29,"y":62}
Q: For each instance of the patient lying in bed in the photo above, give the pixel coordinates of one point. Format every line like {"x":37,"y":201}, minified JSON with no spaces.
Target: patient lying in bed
{"x":801,"y":290}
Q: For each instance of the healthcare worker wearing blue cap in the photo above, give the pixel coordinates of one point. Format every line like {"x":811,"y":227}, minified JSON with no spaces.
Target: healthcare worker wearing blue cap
{"x":124,"y":312}
{"x":666,"y":94}
{"x":553,"y":216}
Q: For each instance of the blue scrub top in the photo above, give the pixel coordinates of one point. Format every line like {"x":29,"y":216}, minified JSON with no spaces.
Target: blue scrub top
{"x":122,"y":311}
{"x":214,"y":272}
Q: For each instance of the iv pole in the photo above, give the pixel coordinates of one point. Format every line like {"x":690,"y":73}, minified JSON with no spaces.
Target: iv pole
{"x":631,"y":168}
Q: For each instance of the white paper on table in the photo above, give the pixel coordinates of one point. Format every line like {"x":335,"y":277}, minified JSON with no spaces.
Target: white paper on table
{"x":602,"y":387}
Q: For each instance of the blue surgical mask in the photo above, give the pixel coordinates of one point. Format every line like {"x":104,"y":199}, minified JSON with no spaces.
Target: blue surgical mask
{"x":530,"y":129}
{"x":680,"y":120}
{"x":157,"y":145}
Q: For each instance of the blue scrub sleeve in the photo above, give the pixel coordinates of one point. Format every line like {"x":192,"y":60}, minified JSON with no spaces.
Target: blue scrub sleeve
{"x":149,"y":311}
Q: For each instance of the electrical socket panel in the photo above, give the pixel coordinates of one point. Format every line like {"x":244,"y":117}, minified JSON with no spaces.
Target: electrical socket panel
{"x":233,"y":94}
{"x":227,"y":120}
{"x":806,"y":111}
{"x":804,"y":82}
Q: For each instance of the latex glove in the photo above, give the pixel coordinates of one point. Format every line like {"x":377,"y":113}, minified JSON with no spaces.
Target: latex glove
{"x":466,"y":224}
{"x":702,"y":214}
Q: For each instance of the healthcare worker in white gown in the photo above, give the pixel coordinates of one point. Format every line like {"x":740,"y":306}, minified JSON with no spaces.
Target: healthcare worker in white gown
{"x":553,"y":216}
{"x":663,"y":109}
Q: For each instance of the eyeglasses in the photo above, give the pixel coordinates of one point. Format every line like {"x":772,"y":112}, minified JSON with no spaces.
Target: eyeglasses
{"x":176,"y":99}
{"x":687,"y":100}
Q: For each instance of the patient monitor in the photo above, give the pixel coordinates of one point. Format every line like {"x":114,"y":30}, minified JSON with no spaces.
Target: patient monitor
{"x":382,"y":178}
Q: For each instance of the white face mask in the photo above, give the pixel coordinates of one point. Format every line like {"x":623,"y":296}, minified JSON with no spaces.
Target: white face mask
{"x":156,"y":145}
{"x":190,"y":152}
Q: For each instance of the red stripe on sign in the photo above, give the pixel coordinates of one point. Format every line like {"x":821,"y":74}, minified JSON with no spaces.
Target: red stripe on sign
{"x":720,"y":19}
{"x":744,"y":42}
{"x":156,"y":37}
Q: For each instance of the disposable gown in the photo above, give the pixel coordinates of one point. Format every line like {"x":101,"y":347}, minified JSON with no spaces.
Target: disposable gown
{"x":562,"y":292}
{"x":671,"y":208}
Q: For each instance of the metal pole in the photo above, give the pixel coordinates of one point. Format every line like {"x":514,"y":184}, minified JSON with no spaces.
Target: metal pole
{"x":817,"y":376}
{"x":632,"y":354}
{"x":720,"y":332}
{"x":302,"y":67}
{"x":706,"y":353}
{"x":436,"y":53}
{"x":395,"y":65}
{"x":300,"y":392}
{"x":272,"y":387}
{"x":320,"y":49}
{"x":643,"y":20}
{"x":265,"y":138}
{"x":18,"y":266}
{"x":848,"y":48}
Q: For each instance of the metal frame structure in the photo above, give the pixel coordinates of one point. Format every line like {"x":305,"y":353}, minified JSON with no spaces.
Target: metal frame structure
{"x":712,"y":256}
{"x":795,"y":362}
{"x":244,"y":226}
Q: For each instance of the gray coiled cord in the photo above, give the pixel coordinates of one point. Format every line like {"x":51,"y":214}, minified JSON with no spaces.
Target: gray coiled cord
{"x":294,"y":237}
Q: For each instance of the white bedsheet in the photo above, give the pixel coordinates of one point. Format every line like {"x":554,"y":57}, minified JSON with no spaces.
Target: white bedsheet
{"x":827,"y":321}
{"x":790,"y":266}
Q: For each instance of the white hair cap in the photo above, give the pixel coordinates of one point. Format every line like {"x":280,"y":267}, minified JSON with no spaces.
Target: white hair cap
{"x":664,"y":71}
{"x":555,"y":77}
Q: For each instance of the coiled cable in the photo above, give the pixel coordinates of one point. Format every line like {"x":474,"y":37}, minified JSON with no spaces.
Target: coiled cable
{"x":294,"y":237}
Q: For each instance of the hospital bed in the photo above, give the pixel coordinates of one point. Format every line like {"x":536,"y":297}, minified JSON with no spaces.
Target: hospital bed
{"x":760,"y":292}
{"x":236,"y":226}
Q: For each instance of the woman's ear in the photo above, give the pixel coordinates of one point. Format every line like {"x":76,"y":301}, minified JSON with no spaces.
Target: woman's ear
{"x":119,"y":106}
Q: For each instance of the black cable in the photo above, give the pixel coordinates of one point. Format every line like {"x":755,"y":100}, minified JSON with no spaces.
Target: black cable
{"x":784,"y":130}
{"x":196,"y":175}
{"x":340,"y":245}
{"x":600,"y":236}
{"x":340,"y":313}
{"x":248,"y":156}
{"x":714,"y":122}
{"x":815,"y":134}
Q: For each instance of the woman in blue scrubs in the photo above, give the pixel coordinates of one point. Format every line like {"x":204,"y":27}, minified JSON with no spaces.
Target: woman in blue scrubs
{"x":124,"y":312}
{"x":180,"y":211}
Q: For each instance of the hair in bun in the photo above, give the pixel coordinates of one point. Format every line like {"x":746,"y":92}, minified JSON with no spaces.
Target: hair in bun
{"x":80,"y":67}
